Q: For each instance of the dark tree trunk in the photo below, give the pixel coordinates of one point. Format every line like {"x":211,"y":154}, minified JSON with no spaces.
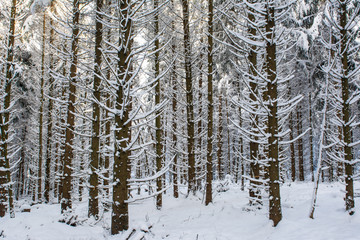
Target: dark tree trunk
{"x":66,"y":203}
{"x":121,"y":169}
{"x":272,"y":97}
{"x":346,"y":111}
{"x":219,"y":139}
{"x":189,"y":98}
{"x":158,"y":127}
{"x":96,"y":117}
{"x":300,"y":144}
{"x":5,"y":175}
{"x":210,"y":107}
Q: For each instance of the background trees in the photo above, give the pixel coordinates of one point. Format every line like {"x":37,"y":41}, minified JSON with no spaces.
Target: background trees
{"x":137,"y":96}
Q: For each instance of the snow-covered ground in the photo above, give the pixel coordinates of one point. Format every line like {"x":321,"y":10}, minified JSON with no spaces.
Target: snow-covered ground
{"x":187,"y":218}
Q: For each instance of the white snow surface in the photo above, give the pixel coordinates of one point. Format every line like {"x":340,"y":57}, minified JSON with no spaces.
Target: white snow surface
{"x":228,"y":217}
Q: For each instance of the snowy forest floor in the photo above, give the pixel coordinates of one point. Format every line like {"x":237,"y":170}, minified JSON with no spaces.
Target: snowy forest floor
{"x":228,"y":217}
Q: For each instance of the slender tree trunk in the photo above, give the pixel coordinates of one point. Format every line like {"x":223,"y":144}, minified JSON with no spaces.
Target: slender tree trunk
{"x":199,"y":126}
{"x":311,"y":136}
{"x":49,"y":115}
{"x":241,"y":159}
{"x":272,"y":96}
{"x":174,"y":119}
{"x":292,"y":149}
{"x":340,"y":165}
{"x":158,"y":131}
{"x":66,"y":203}
{"x":189,"y":98}
{"x":82,"y":157}
{"x":41,"y":112}
{"x":254,"y":192}
{"x":229,"y":163}
{"x":219,"y":139}
{"x":60,"y":146}
{"x":210,"y":106}
{"x":108,"y":122}
{"x":300,"y":144}
{"x":346,"y":111}
{"x":21,"y":175}
{"x":5,"y":175}
{"x":96,"y":117}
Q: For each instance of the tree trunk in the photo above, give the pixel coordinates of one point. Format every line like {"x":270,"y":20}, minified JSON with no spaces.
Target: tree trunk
{"x":158,"y":131}
{"x":41,"y":113}
{"x":311,"y":135}
{"x":254,"y":192}
{"x":108,"y":122}
{"x":66,"y":203}
{"x":241,"y":159}
{"x":272,"y":97}
{"x":60,"y":145}
{"x":210,"y":106}
{"x":346,"y":111}
{"x":96,"y":117}
{"x":49,"y":115}
{"x":199,"y":125}
{"x":121,"y":169}
{"x":229,"y":164}
{"x":300,"y":145}
{"x":219,"y":139}
{"x":5,"y":175}
{"x":292,"y":149}
{"x":189,"y":98}
{"x":174,"y":111}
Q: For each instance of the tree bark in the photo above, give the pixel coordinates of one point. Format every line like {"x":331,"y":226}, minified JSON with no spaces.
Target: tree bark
{"x":121,"y":169}
{"x":189,"y":98}
{"x":41,"y":112}
{"x":346,"y":111}
{"x":272,"y":97}
{"x":219,"y":139}
{"x":254,"y":192}
{"x":210,"y":107}
{"x":96,"y":117}
{"x":292,"y":144}
{"x":311,"y":136}
{"x":5,"y":175}
{"x":49,"y":139}
{"x":174,"y":111}
{"x":66,"y":203}
{"x":300,"y":144}
{"x":158,"y":131}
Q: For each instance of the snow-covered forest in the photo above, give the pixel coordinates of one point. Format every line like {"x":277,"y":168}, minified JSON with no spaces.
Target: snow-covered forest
{"x":179,"y":119}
